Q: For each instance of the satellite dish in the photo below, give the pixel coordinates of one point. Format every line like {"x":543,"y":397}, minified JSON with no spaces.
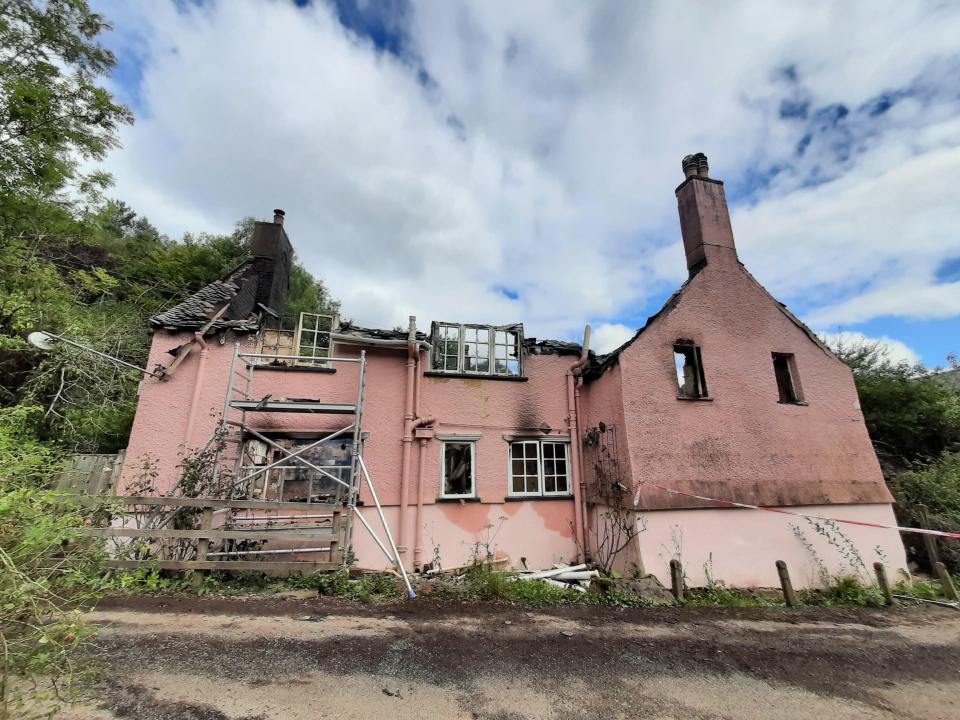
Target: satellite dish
{"x":42,"y":340}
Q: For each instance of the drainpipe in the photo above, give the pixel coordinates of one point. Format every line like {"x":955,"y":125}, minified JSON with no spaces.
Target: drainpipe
{"x":418,"y":530}
{"x":195,"y":399}
{"x":408,"y":417}
{"x":574,"y":427}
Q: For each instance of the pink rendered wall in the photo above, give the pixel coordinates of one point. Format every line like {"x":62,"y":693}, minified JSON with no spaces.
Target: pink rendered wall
{"x":740,"y":548}
{"x":743,"y":444}
{"x":539,"y":530}
{"x":160,"y":424}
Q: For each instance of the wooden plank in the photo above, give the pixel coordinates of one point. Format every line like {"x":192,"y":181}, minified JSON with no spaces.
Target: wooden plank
{"x":268,"y":566}
{"x":214,"y":503}
{"x":262,"y":534}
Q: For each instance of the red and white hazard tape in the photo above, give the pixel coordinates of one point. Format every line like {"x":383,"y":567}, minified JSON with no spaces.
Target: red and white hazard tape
{"x":731,"y":503}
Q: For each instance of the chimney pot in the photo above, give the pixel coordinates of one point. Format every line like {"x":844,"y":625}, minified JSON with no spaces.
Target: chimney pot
{"x":278,"y":216}
{"x":695,"y":165}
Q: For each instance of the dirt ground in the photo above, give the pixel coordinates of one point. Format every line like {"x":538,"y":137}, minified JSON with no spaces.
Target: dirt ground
{"x":260,"y":658}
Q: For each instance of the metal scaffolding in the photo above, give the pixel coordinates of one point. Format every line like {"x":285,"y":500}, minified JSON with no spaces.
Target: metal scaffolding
{"x":241,"y":399}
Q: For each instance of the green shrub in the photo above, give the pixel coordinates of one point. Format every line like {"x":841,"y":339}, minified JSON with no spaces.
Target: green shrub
{"x":936,"y":485}
{"x":50,"y":572}
{"x":843,"y":591}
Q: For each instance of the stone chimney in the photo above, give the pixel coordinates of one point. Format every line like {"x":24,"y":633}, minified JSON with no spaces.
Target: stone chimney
{"x":272,"y":256}
{"x":704,"y":218}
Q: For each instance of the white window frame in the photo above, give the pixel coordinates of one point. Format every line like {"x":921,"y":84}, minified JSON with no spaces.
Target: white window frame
{"x":443,"y":468}
{"x":491,"y":344}
{"x":541,"y":483}
{"x":314,"y":329}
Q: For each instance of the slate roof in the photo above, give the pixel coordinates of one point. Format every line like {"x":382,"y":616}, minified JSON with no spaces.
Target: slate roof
{"x":196,"y":310}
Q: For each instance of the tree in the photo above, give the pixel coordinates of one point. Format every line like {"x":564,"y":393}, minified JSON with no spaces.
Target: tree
{"x":52,"y":112}
{"x":911,"y":415}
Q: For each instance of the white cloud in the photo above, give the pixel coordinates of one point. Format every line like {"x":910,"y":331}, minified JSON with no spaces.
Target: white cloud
{"x":896,"y":350}
{"x":540,"y":157}
{"x":609,"y":336}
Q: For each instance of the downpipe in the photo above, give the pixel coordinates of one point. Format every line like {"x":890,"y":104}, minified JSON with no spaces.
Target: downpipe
{"x":572,"y":377}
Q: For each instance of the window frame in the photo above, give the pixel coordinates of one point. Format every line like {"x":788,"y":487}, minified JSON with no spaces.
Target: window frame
{"x":443,"y":469}
{"x":541,"y":482}
{"x":681,"y":347}
{"x":491,"y":344}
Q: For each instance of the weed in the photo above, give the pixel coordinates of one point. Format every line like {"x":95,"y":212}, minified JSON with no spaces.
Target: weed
{"x":719,"y":596}
{"x":845,"y":590}
{"x":920,"y":588}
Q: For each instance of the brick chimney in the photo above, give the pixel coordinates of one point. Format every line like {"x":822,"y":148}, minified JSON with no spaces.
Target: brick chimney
{"x":272,"y":256}
{"x":704,"y":218}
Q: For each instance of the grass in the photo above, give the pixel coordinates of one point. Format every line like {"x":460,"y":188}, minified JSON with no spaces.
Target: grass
{"x":720,"y":596}
{"x":482,"y":584}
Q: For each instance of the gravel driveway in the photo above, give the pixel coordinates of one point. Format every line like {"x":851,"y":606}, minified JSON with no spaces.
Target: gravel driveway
{"x":272,"y":658}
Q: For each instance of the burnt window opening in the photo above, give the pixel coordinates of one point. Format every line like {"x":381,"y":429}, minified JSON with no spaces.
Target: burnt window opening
{"x":477,"y":349}
{"x":291,"y":480}
{"x":785,"y":371}
{"x":539,"y":467}
{"x":457,"y":470}
{"x":308,"y":337}
{"x":691,"y":382}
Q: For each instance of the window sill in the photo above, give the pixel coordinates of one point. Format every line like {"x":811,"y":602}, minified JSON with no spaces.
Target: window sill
{"x":802,"y":403}
{"x":695,"y":399}
{"x":457,"y":500}
{"x":475,"y":376}
{"x":296,"y":368}
{"x":524,"y":498}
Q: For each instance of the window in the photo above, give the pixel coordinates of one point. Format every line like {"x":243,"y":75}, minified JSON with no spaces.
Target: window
{"x":477,"y":349}
{"x":457,"y":470}
{"x":310,"y":337}
{"x":293,"y":481}
{"x":785,"y":371}
{"x":313,"y":335}
{"x":689,"y":365}
{"x":539,"y":467}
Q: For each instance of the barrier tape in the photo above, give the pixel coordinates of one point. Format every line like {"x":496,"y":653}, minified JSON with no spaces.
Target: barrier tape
{"x":731,"y":503}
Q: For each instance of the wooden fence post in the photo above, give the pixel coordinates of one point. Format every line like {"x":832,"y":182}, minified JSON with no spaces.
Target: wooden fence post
{"x":881,"y":572}
{"x":929,"y":542}
{"x":203,"y":544}
{"x":946,"y":582}
{"x":789,"y":596}
{"x":676,"y":579}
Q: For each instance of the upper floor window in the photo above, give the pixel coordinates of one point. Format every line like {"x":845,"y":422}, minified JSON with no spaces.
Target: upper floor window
{"x":308,"y":338}
{"x":691,"y":382}
{"x":539,"y":467}
{"x":788,"y":382}
{"x":477,"y":349}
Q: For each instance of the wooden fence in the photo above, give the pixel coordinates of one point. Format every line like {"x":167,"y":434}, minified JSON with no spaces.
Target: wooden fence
{"x":327,"y":535}
{"x":93,"y":474}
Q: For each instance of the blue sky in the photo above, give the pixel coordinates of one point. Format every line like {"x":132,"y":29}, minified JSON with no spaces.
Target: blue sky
{"x":495,"y":161}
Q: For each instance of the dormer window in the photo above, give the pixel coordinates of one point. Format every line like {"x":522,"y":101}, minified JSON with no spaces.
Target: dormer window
{"x":477,"y":349}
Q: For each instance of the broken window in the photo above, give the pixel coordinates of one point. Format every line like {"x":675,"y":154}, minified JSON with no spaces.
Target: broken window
{"x":291,"y":480}
{"x":309,"y":337}
{"x":689,"y":365}
{"x":457,"y":469}
{"x":539,"y":467}
{"x":785,"y":370}
{"x":477,"y":349}
{"x":448,"y":349}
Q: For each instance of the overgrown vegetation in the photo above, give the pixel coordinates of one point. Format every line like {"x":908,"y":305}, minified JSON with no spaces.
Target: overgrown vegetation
{"x":91,"y":268}
{"x":913,"y":417}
